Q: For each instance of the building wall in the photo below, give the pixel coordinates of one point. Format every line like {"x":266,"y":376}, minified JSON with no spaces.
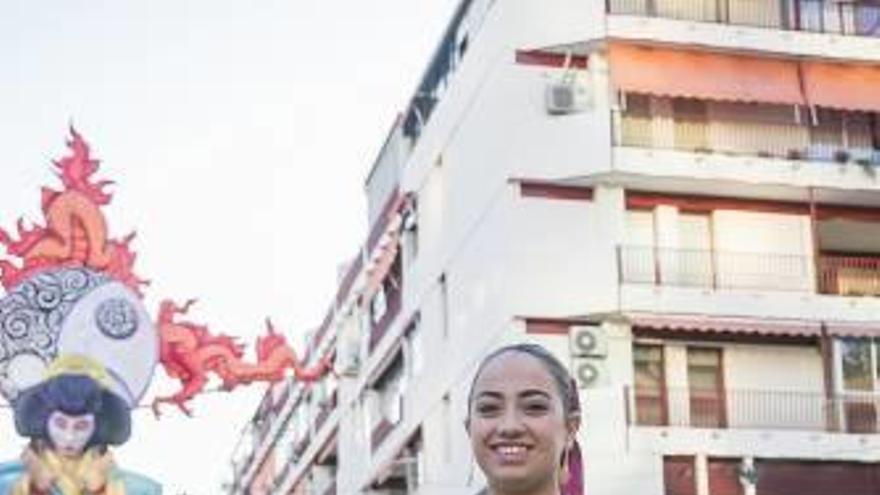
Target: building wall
{"x":490,"y":256}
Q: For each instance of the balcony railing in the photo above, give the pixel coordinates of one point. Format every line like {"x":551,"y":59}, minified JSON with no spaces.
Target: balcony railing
{"x":754,"y":409}
{"x":849,"y":275}
{"x":853,"y":140}
{"x":380,"y":433}
{"x":714,"y":269}
{"x":823,"y":16}
{"x":324,"y":410}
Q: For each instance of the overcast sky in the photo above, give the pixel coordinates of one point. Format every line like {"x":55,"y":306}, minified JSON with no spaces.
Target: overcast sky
{"x":239,"y":134}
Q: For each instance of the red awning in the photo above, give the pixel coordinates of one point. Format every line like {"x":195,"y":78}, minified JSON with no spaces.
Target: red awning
{"x":705,"y":75}
{"x":843,"y":86}
{"x":722,"y":324}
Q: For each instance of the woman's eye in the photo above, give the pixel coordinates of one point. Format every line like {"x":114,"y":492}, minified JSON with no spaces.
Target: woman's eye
{"x":536,"y":408}
{"x":82,"y":426}
{"x":487,"y":409}
{"x":61,"y":422}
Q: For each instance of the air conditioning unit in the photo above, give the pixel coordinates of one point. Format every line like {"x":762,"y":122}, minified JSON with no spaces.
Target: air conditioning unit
{"x":348,"y":362}
{"x":565,"y":97}
{"x":587,"y":341}
{"x":590,"y":372}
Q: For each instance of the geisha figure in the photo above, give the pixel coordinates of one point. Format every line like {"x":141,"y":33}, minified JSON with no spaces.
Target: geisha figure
{"x":71,"y":419}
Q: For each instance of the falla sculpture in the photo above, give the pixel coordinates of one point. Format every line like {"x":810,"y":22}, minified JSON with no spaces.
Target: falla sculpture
{"x":78,"y":347}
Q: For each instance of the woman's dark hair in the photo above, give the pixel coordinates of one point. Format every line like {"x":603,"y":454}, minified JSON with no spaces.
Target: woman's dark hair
{"x":74,"y":395}
{"x":565,"y":384}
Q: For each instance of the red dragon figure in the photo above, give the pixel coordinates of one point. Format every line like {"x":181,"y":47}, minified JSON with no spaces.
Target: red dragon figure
{"x":75,"y":234}
{"x":190,"y":353}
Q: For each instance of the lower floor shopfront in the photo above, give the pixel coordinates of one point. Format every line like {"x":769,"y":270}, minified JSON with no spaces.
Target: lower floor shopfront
{"x":726,"y":476}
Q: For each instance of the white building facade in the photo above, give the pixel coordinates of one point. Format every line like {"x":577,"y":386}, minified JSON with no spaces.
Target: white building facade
{"x":680,"y":198}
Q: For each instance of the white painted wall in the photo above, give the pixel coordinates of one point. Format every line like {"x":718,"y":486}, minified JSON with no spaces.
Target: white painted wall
{"x":505,"y":256}
{"x":562,"y":256}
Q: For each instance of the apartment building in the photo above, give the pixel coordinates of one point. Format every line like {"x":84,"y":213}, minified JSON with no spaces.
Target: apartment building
{"x":678,"y":197}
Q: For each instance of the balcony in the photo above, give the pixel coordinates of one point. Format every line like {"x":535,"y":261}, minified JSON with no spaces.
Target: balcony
{"x":849,"y":275}
{"x":749,"y":130}
{"x":725,"y":270}
{"x":714,"y":269}
{"x":753,"y":410}
{"x":818,"y":16}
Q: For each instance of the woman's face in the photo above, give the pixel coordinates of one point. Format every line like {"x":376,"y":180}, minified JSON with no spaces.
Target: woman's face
{"x":70,"y":434}
{"x":517,"y":425}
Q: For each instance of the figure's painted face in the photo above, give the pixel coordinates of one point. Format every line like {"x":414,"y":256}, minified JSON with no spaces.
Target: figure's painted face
{"x":70,"y":434}
{"x":517,"y":424}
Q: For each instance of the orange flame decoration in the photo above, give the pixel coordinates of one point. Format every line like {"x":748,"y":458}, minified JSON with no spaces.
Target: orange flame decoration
{"x":75,"y":234}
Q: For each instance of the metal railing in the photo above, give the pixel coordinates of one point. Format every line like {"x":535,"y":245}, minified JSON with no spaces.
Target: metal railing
{"x":849,"y":275}
{"x":852,"y":18}
{"x":325,"y":408}
{"x":790,"y":141}
{"x":714,"y":269}
{"x":753,"y":409}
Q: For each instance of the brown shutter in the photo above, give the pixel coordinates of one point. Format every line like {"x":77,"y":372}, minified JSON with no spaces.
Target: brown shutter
{"x":817,"y":478}
{"x":724,"y":477}
{"x":678,"y":475}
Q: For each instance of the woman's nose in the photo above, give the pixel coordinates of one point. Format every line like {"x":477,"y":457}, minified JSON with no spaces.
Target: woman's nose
{"x":510,"y":423}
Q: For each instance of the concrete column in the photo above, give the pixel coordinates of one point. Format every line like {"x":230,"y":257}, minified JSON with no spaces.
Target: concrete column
{"x":675,"y":357}
{"x":701,"y":471}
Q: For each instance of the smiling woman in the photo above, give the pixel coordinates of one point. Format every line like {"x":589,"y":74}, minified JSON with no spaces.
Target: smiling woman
{"x":523,"y":417}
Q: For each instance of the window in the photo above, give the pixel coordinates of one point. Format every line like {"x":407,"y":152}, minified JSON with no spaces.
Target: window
{"x":378,"y":307}
{"x":691,"y":124}
{"x":411,"y":231}
{"x":638,"y":257}
{"x":637,"y":105}
{"x":860,"y":369}
{"x":390,"y":387}
{"x":826,"y":135}
{"x":695,"y":266}
{"x":706,"y":387}
{"x":650,"y":385}
{"x":444,"y":305}
{"x":385,"y":304}
{"x":414,"y":344}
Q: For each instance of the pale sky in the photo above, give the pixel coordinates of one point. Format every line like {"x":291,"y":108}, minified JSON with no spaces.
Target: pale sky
{"x":239,"y":134}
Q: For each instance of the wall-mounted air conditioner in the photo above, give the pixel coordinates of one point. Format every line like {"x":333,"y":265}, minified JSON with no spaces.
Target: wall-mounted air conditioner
{"x":565,"y":97}
{"x":348,"y":361}
{"x":590,"y":372}
{"x":587,"y":341}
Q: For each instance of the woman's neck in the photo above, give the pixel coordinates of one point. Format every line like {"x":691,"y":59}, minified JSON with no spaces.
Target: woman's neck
{"x":552,"y":489}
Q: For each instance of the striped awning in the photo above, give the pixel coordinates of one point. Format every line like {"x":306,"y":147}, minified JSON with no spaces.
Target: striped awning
{"x":705,"y":75}
{"x":726,"y":325}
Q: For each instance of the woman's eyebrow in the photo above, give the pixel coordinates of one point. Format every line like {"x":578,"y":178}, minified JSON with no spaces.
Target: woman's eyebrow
{"x":490,"y":394}
{"x":534,"y":392}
